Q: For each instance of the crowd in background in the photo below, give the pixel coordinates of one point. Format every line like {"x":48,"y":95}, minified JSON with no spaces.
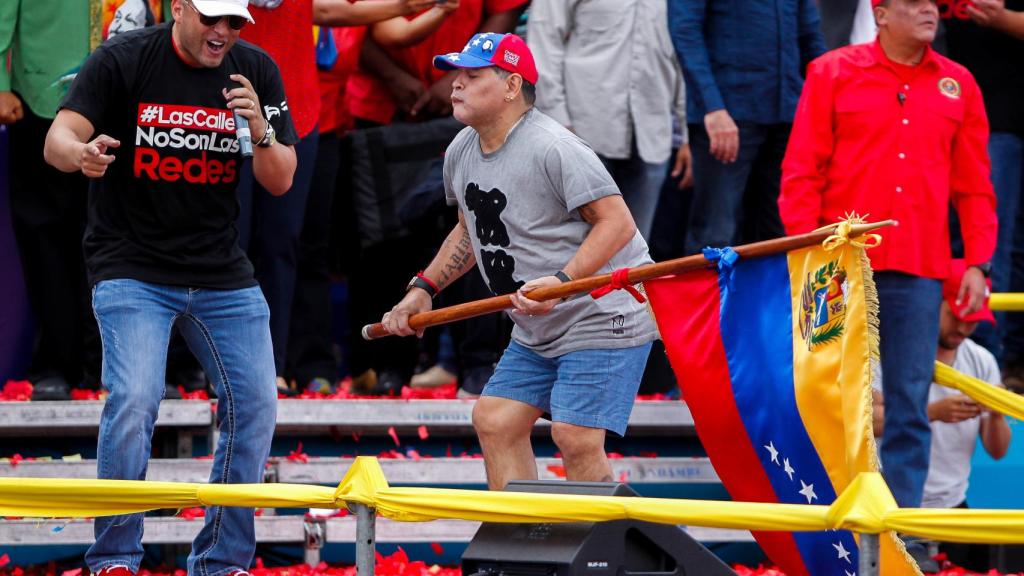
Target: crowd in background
{"x":689,"y":104}
{"x":367,"y":206}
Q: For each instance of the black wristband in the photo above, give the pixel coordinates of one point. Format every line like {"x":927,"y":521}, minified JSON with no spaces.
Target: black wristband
{"x":562,"y":276}
{"x":418,"y":282}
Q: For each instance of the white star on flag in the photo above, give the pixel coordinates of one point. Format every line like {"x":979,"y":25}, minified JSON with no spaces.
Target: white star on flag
{"x":770,"y":447}
{"x":476,"y":42}
{"x":787,"y":468}
{"x":848,"y":573}
{"x":808,"y":491}
{"x":843,"y":553}
{"x":454,"y":57}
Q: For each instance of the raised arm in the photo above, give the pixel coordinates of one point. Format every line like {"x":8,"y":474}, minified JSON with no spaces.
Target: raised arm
{"x":363,"y":12}
{"x":401,"y":32}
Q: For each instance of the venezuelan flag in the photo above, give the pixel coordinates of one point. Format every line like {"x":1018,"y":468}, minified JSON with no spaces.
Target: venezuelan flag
{"x":773,"y":357}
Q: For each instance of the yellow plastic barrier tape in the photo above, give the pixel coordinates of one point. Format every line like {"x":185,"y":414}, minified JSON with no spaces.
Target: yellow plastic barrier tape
{"x":993,"y":397}
{"x":866,"y":506}
{"x":1011,"y":301}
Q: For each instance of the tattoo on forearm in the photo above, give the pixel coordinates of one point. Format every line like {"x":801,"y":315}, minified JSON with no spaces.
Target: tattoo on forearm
{"x":458,"y":261}
{"x":588,"y":213}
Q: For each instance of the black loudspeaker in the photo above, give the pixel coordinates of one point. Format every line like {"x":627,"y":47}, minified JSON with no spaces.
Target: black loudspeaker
{"x":617,"y":548}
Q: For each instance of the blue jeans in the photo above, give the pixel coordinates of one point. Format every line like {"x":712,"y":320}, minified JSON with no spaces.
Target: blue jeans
{"x":1007,"y":153}
{"x":908,"y":310}
{"x":640,"y":184}
{"x":228,"y":331}
{"x":736,"y":203}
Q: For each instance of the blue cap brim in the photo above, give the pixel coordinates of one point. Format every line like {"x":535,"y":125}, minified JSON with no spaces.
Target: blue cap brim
{"x":445,"y":62}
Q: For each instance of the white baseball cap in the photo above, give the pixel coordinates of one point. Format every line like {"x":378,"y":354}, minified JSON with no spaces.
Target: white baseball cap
{"x":224,"y":8}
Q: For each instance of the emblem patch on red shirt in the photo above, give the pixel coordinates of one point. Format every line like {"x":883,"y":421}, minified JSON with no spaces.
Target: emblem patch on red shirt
{"x":950,"y":88}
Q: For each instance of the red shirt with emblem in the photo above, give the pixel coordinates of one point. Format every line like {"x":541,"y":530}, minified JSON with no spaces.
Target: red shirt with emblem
{"x":370,"y":99}
{"x":286,"y":33}
{"x":887,"y":140}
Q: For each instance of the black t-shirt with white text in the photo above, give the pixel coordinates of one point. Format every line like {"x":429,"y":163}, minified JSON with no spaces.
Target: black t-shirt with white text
{"x":994,"y":58}
{"x":165,"y":212}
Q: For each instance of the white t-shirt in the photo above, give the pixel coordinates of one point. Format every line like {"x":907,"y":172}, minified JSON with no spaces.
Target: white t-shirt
{"x":864,"y":28}
{"x":953,"y":444}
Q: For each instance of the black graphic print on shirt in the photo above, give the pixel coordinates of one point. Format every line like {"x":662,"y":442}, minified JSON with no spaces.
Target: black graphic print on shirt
{"x":490,"y":231}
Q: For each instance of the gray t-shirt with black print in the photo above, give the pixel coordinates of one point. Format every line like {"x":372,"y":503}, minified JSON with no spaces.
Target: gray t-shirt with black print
{"x":521,"y":207}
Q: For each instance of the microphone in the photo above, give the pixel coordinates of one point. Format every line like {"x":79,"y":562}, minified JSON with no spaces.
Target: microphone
{"x":243,"y":134}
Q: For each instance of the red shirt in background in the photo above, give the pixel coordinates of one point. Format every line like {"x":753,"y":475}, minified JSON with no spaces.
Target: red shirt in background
{"x":886,"y":140}
{"x":334,"y":113}
{"x":286,"y":33}
{"x":369,"y":99}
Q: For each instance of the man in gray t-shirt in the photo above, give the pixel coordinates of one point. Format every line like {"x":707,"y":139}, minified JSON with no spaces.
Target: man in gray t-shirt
{"x":536,"y":208}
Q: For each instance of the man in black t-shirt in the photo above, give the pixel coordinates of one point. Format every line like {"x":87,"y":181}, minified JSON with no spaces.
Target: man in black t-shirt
{"x":151,"y":119}
{"x":987,"y":36}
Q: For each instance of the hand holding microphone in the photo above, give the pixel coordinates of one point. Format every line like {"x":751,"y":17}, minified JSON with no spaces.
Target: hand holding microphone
{"x":245,"y":106}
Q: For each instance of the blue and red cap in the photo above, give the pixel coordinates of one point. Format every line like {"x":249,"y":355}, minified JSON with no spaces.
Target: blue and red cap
{"x":506,"y":51}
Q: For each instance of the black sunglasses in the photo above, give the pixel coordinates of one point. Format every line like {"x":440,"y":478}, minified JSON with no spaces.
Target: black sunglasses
{"x":235,"y":22}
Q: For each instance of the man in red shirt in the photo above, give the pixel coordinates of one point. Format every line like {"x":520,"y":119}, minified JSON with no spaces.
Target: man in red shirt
{"x":891,"y":129}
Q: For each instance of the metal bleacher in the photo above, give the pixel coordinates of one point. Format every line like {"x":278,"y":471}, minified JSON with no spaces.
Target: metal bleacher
{"x":185,"y":420}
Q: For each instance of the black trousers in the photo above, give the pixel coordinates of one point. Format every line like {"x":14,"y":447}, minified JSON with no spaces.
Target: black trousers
{"x":310,"y":352}
{"x":48,"y":211}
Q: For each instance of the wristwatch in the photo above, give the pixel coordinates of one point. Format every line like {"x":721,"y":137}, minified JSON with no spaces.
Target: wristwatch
{"x":985,"y":267}
{"x":421,"y":281}
{"x":561,"y":275}
{"x":269,"y":137}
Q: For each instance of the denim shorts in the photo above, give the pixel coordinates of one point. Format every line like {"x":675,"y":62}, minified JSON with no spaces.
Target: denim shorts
{"x":593,"y":388}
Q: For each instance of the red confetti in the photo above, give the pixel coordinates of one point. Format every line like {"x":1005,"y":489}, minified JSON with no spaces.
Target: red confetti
{"x":355,"y":436}
{"x":298,"y":455}
{"x":4,"y":560}
{"x":624,"y":477}
{"x":79,"y":394}
{"x":192,"y":513}
{"x":437,"y":548}
{"x":394,"y":435}
{"x":615,"y":456}
{"x":659,"y":397}
{"x":557,"y":470}
{"x":16,"y":459}
{"x":16,"y":391}
{"x":423,"y":432}
{"x":193,"y":395}
{"x":75,"y":572}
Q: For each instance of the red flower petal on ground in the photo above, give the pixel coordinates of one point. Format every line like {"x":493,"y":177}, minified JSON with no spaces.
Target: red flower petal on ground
{"x":557,"y":470}
{"x":298,"y":455}
{"x":437,"y":548}
{"x":191,"y":513}
{"x":4,"y":560}
{"x":394,"y":435}
{"x":423,"y":432}
{"x":16,"y":391}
